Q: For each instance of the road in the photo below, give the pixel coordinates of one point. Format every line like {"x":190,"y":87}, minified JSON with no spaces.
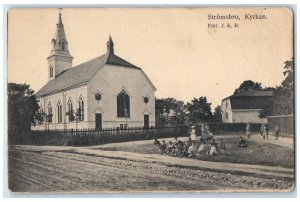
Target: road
{"x":75,"y":169}
{"x":49,"y":172}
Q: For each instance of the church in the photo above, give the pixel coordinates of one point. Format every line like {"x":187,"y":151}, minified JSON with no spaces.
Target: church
{"x":104,"y":92}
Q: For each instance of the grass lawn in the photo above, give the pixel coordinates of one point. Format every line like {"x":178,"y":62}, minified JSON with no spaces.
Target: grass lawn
{"x":257,"y":152}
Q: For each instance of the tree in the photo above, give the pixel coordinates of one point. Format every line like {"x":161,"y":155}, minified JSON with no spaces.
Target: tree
{"x":217,"y":116}
{"x":198,"y":110}
{"x":283,"y":102}
{"x":248,"y":86}
{"x":74,"y":115}
{"x":22,"y":108}
{"x":169,"y":112}
{"x":288,"y":82}
{"x":40,"y":117}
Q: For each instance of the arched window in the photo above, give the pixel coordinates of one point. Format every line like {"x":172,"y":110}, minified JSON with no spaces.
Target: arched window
{"x":51,"y":71}
{"x":70,"y":112}
{"x":50,"y":114}
{"x":123,"y":104}
{"x":81,"y":109}
{"x":59,"y":113}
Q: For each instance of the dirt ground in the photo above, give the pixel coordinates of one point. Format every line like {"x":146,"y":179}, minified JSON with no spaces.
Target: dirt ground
{"x":49,"y":172}
{"x":90,"y":169}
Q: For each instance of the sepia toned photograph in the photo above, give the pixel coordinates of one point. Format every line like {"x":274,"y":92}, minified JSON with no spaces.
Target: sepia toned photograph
{"x":150,"y":100}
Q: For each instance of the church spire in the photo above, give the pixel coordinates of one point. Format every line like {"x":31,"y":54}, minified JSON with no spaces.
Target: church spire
{"x":60,"y":43}
{"x":59,"y":24}
{"x":110,"y":46}
{"x":59,"y":59}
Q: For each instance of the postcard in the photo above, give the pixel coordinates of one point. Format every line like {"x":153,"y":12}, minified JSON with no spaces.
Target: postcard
{"x":150,"y":100}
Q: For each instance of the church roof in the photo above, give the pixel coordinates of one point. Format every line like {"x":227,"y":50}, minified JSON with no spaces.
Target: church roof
{"x":81,"y":74}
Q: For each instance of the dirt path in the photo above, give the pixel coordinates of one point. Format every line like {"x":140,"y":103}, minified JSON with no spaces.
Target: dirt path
{"x":282,"y":141}
{"x":65,"y":172}
{"x":69,"y":169}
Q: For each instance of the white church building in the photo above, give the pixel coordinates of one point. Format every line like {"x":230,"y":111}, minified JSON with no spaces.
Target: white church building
{"x":104,"y":92}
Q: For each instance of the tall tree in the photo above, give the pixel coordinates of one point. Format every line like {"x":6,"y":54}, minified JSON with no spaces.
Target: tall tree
{"x":169,"y":112}
{"x":248,"y":86}
{"x":22,"y":107}
{"x":217,"y":116}
{"x":283,"y":103}
{"x":198,"y":110}
{"x":288,"y":82}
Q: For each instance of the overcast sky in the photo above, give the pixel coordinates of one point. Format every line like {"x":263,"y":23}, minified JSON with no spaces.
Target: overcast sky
{"x":175,"y":48}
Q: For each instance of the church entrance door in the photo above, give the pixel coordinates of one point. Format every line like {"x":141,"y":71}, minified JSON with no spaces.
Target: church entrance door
{"x":98,"y":121}
{"x":146,"y":121}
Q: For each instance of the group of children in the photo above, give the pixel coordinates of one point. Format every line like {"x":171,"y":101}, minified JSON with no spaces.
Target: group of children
{"x":206,"y":144}
{"x":191,"y":148}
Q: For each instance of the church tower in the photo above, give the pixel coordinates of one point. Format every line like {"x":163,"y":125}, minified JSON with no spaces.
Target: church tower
{"x":60,"y":59}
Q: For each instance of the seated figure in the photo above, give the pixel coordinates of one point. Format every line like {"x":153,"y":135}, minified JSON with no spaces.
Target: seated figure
{"x":213,"y":148}
{"x":202,"y":146}
{"x":222,"y":146}
{"x":156,"y":142}
{"x":170,"y":148}
{"x":242,"y":143}
{"x":192,"y":150}
{"x":163,"y":147}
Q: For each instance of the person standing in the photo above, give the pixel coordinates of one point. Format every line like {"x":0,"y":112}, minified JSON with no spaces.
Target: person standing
{"x":193,"y":134}
{"x":248,"y":130}
{"x":277,"y":130}
{"x":262,"y":129}
{"x":265,"y":133}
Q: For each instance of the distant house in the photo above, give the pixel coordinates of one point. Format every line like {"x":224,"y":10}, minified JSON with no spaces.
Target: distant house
{"x":167,"y":111}
{"x":245,"y":107}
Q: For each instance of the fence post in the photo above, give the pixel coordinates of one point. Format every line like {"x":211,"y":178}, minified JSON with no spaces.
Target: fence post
{"x":72,"y":136}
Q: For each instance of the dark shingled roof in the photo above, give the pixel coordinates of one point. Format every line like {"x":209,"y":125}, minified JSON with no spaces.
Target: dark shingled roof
{"x":255,"y":93}
{"x":81,"y":74}
{"x":251,"y":100}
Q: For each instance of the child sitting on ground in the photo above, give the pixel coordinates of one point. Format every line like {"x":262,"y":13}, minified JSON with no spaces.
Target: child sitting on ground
{"x":202,"y":146}
{"x":156,"y":142}
{"x":242,"y":143}
{"x":213,"y":148}
{"x":170,"y":148}
{"x":179,"y":142}
{"x":163,"y":147}
{"x":192,"y":150}
{"x":222,"y":146}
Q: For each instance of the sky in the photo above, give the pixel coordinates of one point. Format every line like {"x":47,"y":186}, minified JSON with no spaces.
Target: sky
{"x":181,"y":55}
